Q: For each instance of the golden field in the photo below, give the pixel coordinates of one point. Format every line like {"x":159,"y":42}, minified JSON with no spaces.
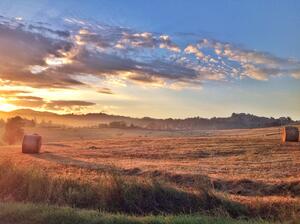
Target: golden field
{"x":250,"y":168}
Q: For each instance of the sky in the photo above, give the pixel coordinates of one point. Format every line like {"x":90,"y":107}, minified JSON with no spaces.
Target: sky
{"x":154,"y":58}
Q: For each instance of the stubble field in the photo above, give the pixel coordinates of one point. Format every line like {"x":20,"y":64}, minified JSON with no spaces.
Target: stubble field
{"x":238,"y":173}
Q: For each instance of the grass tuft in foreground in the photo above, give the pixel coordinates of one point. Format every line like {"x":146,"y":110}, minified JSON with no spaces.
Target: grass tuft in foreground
{"x":17,"y":213}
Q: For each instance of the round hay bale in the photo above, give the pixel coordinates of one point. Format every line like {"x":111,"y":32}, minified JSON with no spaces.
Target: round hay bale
{"x":31,"y":144}
{"x":290,"y":134}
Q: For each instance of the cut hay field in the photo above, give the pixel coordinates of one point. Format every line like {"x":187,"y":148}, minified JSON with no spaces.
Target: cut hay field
{"x":240,"y":173}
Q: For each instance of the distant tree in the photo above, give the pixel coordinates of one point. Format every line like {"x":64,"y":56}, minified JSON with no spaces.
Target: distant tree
{"x":132,"y":126}
{"x":29,"y":123}
{"x":118,"y":124}
{"x":13,"y":130}
{"x":102,"y":125}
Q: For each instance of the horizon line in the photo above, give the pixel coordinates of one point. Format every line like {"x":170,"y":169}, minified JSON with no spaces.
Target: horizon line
{"x":151,"y":117}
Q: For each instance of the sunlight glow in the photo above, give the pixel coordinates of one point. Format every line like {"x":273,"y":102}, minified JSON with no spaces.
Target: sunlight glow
{"x":7,"y":107}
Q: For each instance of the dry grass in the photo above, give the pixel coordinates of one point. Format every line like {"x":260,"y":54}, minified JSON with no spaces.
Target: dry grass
{"x":110,"y":193}
{"x":14,"y":213}
{"x":242,"y":168}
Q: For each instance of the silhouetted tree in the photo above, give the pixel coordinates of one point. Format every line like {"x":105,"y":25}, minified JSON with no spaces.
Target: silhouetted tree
{"x":13,"y":130}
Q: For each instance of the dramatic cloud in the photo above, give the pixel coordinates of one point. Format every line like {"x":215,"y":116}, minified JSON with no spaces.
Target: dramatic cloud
{"x":41,"y":56}
{"x":21,"y":49}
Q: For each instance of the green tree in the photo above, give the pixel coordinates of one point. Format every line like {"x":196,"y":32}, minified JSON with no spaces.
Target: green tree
{"x":13,"y":130}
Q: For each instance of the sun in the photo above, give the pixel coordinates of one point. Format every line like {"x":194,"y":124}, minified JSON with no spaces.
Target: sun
{"x":6,"y":107}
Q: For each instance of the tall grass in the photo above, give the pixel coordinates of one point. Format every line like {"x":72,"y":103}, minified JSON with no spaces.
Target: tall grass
{"x":112,"y":193}
{"x":17,"y":213}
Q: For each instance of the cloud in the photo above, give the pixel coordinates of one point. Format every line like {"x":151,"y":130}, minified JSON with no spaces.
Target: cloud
{"x":21,"y":98}
{"x":105,"y":91}
{"x":34,"y":103}
{"x":9,"y":93}
{"x":40,"y":56}
{"x":249,"y":63}
{"x":55,"y":105}
{"x":255,"y":73}
{"x":17,"y":98}
{"x":168,"y":44}
{"x":39,"y":28}
{"x":28,"y":97}
{"x":190,"y":49}
{"x":146,"y":40}
{"x":67,"y":104}
{"x":21,"y":49}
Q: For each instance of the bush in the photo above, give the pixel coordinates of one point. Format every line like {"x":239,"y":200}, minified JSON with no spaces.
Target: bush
{"x":13,"y":130}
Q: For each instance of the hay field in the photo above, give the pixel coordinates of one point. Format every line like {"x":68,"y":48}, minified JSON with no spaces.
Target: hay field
{"x":249,"y":168}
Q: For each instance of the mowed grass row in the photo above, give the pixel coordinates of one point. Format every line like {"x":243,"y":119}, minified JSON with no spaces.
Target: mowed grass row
{"x":18,"y":213}
{"x":120,"y":194}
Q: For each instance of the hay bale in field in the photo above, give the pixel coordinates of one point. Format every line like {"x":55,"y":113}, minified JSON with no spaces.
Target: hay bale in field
{"x":31,"y":144}
{"x":290,"y":134}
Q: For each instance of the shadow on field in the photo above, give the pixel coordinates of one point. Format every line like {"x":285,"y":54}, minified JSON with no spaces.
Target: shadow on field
{"x":243,"y":187}
{"x":248,"y":187}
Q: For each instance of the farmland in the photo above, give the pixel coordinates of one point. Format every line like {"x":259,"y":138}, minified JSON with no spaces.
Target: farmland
{"x":234,"y":172}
